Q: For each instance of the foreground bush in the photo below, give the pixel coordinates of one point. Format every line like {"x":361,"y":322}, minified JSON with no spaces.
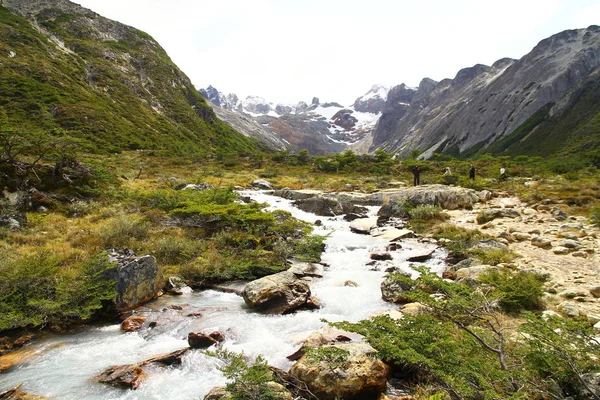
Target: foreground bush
{"x":462,"y":345}
{"x":37,"y":289}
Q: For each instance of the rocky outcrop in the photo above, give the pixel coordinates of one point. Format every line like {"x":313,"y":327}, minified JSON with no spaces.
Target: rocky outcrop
{"x":446,"y":197}
{"x":276,"y":294}
{"x":361,"y":376}
{"x":138,"y":279}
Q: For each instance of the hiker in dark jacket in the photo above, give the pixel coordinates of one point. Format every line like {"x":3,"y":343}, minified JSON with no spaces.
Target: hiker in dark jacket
{"x":417,"y":175}
{"x":472,"y":172}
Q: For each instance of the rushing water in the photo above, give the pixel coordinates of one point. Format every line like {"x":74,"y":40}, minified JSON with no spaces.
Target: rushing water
{"x":66,"y":362}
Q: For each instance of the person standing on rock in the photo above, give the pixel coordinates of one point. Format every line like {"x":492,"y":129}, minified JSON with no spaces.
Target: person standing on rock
{"x":472,"y":173}
{"x":417,"y":175}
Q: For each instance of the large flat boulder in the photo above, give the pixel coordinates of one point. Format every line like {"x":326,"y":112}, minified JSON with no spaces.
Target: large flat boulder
{"x":276,"y":294}
{"x":447,"y":197}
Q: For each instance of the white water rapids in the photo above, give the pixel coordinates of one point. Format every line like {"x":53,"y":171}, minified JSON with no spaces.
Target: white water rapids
{"x":65,"y":363}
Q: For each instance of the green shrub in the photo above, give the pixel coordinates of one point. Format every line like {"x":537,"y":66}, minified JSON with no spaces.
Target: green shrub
{"x":594,"y":215}
{"x":518,"y":291}
{"x":247,"y":381}
{"x":494,"y":256}
{"x":309,"y":248}
{"x":38,"y":289}
{"x":427,"y":212}
{"x":122,"y":229}
{"x":173,"y":249}
{"x":461,"y":239}
{"x":269,"y":173}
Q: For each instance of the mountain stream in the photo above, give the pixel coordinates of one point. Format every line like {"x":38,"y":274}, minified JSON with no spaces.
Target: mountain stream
{"x":65,"y":363}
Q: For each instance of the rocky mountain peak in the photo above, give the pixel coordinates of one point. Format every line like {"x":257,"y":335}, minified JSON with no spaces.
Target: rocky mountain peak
{"x":373,"y":101}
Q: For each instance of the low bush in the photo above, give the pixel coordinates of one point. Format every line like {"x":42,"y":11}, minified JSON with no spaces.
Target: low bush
{"x":517,"y":291}
{"x":594,"y":215}
{"x":494,"y":256}
{"x":38,"y":289}
{"x":461,"y":239}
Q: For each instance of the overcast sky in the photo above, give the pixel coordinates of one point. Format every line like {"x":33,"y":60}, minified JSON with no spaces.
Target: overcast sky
{"x":291,"y":50}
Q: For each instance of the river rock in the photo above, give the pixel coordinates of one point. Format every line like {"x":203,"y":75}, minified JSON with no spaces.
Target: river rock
{"x":560,"y":250}
{"x":394,"y":209}
{"x":595,"y":291}
{"x":133,"y":323}
{"x":16,"y":357}
{"x":276,"y":294}
{"x":393,"y":290}
{"x":363,"y":225}
{"x":484,"y":195}
{"x":16,"y":394}
{"x":296,"y":194}
{"x":166,"y":359}
{"x":521,"y":236}
{"x":415,"y":309}
{"x":423,"y":256}
{"x":541,"y":242}
{"x":128,"y":376}
{"x":488,"y":215}
{"x":380,"y":255}
{"x":392,"y":234}
{"x":261,"y":184}
{"x":306,"y":269}
{"x":361,"y":377}
{"x":569,"y":309}
{"x":590,"y":388}
{"x":175,"y":285}
{"x":199,"y":340}
{"x":571,"y":244}
{"x":325,"y":207}
{"x":138,"y":280}
{"x":276,"y":392}
{"x":13,"y":221}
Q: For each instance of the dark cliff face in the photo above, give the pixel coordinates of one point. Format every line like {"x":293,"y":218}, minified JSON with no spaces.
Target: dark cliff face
{"x":107,"y":84}
{"x":484,"y":104}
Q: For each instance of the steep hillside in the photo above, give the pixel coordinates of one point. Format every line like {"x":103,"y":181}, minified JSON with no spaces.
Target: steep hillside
{"x":69,"y":71}
{"x":570,"y":127}
{"x":483,"y":104}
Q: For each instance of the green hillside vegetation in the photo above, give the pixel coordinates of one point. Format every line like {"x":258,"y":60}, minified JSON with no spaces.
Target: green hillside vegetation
{"x":102,"y":92}
{"x":572,"y":135}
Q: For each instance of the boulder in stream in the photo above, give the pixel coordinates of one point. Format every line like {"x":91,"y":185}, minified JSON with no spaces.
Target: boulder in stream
{"x":199,"y":340}
{"x":276,"y":294}
{"x":361,"y":376}
{"x":133,"y":323}
{"x":138,"y":279}
{"x":393,"y":290}
{"x":275,"y":390}
{"x":129,"y":376}
{"x":16,"y":394}
{"x":324,"y":207}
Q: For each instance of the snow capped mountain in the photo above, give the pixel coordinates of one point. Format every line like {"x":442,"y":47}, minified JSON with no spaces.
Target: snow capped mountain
{"x":319,"y":127}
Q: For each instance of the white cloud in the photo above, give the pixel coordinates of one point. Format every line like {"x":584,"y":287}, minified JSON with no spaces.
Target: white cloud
{"x":288,"y":51}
